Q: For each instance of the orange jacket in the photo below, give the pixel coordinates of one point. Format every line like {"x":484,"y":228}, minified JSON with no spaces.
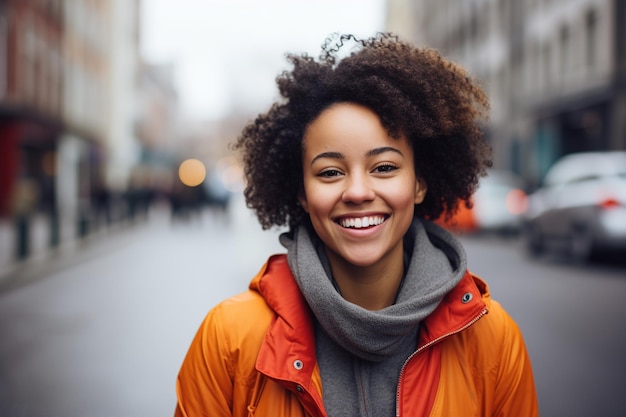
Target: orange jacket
{"x":254,"y":355}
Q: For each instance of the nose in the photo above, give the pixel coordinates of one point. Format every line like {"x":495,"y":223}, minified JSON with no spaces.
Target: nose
{"x":359,"y":189}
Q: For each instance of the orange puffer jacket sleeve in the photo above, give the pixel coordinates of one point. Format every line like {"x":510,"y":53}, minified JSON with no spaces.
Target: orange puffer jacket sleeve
{"x":219,"y":376}
{"x":485,"y":371}
{"x":216,"y":380}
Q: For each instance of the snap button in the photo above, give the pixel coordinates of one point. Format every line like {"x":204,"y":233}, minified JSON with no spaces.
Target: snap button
{"x":299,"y":388}
{"x":467,"y":297}
{"x":298,"y":364}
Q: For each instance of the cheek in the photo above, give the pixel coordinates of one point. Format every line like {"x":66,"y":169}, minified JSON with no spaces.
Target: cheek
{"x":408,"y":202}
{"x":403,"y":202}
{"x":317,"y":202}
{"x":321,"y":199}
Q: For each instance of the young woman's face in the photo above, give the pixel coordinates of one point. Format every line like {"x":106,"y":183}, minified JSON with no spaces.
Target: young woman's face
{"x":360,"y":185}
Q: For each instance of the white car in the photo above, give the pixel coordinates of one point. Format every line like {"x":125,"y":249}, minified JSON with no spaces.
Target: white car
{"x":498,"y":205}
{"x":499,"y":202}
{"x":581,"y":206}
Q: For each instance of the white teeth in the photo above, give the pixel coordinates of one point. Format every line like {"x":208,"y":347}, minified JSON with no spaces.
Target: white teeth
{"x":358,"y":223}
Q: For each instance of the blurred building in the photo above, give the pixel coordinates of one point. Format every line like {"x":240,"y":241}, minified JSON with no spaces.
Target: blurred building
{"x":31,"y":102}
{"x":98,"y":147}
{"x":555,"y":70}
{"x":68,"y":72}
{"x":157,"y":128}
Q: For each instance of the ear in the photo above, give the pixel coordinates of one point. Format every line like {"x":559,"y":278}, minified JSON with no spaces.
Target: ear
{"x":302,"y":201}
{"x":420,"y":190}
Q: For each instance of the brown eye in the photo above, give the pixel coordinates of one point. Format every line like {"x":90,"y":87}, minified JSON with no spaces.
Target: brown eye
{"x":329,"y":173}
{"x":386,"y":168}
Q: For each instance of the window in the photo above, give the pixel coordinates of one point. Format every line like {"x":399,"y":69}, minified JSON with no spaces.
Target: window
{"x":564,"y":46}
{"x":547,"y":65}
{"x":591,"y":34}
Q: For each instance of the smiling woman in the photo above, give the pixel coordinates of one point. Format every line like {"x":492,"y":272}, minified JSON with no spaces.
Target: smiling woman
{"x":353,"y":171}
{"x":357,"y":157}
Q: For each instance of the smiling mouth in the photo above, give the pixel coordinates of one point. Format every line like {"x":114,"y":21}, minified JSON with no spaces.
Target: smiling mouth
{"x":361,"y":222}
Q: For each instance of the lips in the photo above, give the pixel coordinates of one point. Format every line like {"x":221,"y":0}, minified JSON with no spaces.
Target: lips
{"x":361,"y":222}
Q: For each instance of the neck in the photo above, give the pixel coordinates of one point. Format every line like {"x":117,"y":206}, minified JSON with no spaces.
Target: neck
{"x":371,"y":287}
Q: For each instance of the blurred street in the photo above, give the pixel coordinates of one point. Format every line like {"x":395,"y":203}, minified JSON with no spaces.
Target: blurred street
{"x":102,"y":331}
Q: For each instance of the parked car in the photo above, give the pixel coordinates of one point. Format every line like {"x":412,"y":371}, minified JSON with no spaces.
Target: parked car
{"x":580,"y":207}
{"x":498,"y":205}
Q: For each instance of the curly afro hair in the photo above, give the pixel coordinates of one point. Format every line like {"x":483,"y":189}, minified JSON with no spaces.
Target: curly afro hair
{"x":416,"y":93}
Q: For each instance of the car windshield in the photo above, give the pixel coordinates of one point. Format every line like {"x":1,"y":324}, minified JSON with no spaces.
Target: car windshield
{"x":496,"y":178}
{"x":586,"y":167}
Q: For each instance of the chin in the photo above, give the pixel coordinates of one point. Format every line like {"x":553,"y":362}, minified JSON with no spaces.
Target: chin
{"x":361,"y":260}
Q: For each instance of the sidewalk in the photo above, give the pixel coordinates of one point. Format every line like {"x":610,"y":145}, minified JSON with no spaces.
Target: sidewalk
{"x":45,"y":259}
{"x":244,"y":229}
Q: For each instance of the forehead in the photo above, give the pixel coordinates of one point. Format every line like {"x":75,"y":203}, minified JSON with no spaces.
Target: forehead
{"x":347,"y":125}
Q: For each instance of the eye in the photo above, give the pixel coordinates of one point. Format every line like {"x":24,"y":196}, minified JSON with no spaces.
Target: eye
{"x":329,"y":173}
{"x":383,"y":168}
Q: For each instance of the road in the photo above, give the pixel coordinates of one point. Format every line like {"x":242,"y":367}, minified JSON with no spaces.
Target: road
{"x":574,"y":321}
{"x":102,"y":331}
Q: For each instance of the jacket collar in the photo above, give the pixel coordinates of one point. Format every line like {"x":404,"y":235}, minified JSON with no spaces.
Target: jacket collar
{"x":288,"y":351}
{"x":460,"y":308}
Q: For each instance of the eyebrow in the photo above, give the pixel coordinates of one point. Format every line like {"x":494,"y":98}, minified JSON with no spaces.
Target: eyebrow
{"x":373,"y":152}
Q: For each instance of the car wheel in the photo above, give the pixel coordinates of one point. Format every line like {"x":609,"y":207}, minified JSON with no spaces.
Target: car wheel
{"x":534,"y":241}
{"x":581,"y":244}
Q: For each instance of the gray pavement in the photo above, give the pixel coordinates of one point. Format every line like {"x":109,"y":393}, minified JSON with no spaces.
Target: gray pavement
{"x":101,"y":330}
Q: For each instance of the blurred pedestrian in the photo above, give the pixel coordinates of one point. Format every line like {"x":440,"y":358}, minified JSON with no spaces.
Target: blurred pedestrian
{"x":372,"y":311}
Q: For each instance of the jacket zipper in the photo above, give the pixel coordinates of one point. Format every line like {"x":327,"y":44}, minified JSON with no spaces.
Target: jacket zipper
{"x":422,"y":348}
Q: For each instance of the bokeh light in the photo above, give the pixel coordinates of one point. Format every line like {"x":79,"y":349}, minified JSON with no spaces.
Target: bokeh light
{"x":516,"y":202}
{"x":192,"y":172}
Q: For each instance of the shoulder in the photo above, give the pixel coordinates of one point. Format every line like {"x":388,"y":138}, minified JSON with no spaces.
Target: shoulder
{"x":243,"y":320}
{"x":497,"y":325}
{"x":496,"y":352}
{"x":494,"y":341}
{"x":220,"y":364}
{"x":489,"y":360}
{"x":228,"y":339}
{"x":240,"y":317}
{"x":246,"y":314}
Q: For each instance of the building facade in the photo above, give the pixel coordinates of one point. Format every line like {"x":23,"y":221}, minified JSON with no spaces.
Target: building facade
{"x":31,"y":102}
{"x":67,"y":84}
{"x":553,"y":69}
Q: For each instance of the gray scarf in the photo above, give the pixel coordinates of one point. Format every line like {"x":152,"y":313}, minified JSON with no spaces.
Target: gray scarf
{"x":379,"y":340}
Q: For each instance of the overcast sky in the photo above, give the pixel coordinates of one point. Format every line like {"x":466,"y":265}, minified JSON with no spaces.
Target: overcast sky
{"x":228,"y":52}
